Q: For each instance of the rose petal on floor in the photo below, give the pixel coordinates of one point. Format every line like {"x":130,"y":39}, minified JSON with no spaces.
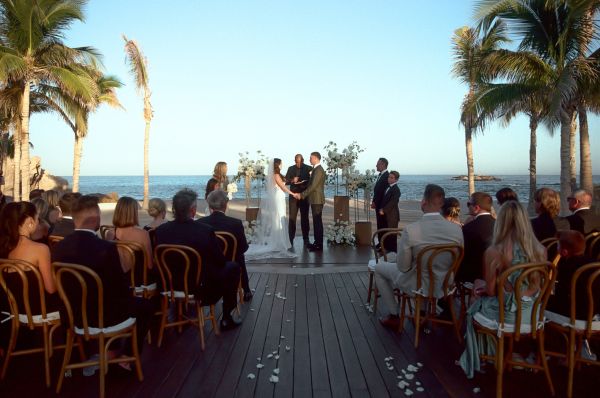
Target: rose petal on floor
{"x":274,"y":379}
{"x":251,"y":376}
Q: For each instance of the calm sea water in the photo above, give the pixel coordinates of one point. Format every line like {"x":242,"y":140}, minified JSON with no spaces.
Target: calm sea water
{"x":411,"y":186}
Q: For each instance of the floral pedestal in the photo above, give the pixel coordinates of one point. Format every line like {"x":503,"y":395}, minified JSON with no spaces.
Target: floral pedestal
{"x":251,"y":214}
{"x":341,"y":208}
{"x":363,"y":231}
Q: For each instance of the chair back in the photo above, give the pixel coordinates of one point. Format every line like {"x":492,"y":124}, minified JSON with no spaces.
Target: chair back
{"x":590,"y":273}
{"x":551,"y":245}
{"x":592,"y":245}
{"x":543,"y":272}
{"x":180,"y":269}
{"x":104,"y":229}
{"x":53,"y":240}
{"x":24,"y":287}
{"x":81,"y":290}
{"x":379,"y":253}
{"x":135,"y":254}
{"x":229,"y":244}
{"x":429,"y":258}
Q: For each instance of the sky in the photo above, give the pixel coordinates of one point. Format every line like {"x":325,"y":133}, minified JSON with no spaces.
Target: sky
{"x":286,"y":77}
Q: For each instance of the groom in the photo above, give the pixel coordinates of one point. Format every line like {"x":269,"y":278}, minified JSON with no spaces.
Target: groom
{"x":315,"y":192}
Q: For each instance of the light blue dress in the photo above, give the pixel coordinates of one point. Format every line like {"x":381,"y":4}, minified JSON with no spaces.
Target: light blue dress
{"x":477,"y":344}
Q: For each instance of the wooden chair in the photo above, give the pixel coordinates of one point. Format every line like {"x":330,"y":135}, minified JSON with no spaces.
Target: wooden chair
{"x":104,"y":230}
{"x":379,"y":253}
{"x":53,"y":240}
{"x":551,"y":245}
{"x":76,"y":285}
{"x":180,"y":270}
{"x":140,"y":284}
{"x":425,"y":264}
{"x":574,"y":330}
{"x":230,"y":244}
{"x":499,"y":330}
{"x":592,"y":245}
{"x":24,"y":289}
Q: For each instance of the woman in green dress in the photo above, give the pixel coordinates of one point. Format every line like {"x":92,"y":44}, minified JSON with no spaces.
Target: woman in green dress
{"x":513,"y":243}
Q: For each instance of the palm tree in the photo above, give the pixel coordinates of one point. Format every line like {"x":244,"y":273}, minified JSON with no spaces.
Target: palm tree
{"x":32,"y":53}
{"x":139,"y":69}
{"x":472,"y":48}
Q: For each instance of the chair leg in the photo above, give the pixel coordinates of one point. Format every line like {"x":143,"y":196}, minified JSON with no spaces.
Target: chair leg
{"x":180,"y":315}
{"x":163,"y":322}
{"x":46,"y":355}
{"x":571,"y":362}
{"x":499,"y":366}
{"x":450,"y":300}
{"x":136,"y":354}
{"x":402,"y":314}
{"x":213,"y":319}
{"x":103,"y":363}
{"x":66,"y":359}
{"x":375,"y":299}
{"x":417,"y":319}
{"x":370,"y":290}
{"x":11,"y":346}
{"x":542,"y":355}
{"x":200,"y":311}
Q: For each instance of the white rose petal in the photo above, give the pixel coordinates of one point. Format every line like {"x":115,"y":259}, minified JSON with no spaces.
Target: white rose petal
{"x":274,"y":379}
{"x":287,"y":348}
{"x":276,"y":371}
{"x":411,"y":368}
{"x":270,"y":356}
{"x":260,"y":366}
{"x":276,"y":357}
{"x":408,"y":392}
{"x":410,"y":376}
{"x":476,"y":390}
{"x":251,"y":376}
{"x":420,"y":389}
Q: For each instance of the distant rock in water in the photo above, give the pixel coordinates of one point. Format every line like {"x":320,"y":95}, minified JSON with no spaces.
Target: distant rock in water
{"x":477,"y":178}
{"x":111,"y":197}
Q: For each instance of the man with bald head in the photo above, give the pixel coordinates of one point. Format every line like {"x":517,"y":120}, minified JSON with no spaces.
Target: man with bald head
{"x":582,"y":219}
{"x":297,"y":177}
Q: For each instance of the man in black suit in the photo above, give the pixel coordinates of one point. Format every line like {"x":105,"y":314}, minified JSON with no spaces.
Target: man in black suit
{"x":381,"y":185}
{"x":477,"y":235}
{"x":65,"y":225}
{"x":582,"y":219}
{"x":85,"y":248}
{"x":217,"y":203}
{"x":389,"y":209}
{"x":219,"y":277}
{"x":297,"y":178}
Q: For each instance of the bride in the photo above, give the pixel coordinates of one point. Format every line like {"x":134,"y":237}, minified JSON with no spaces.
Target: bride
{"x":271,"y":239}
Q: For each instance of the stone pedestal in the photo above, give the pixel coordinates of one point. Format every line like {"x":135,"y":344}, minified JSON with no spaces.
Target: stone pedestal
{"x":363,"y":232}
{"x":251,"y":214}
{"x":341,"y":208}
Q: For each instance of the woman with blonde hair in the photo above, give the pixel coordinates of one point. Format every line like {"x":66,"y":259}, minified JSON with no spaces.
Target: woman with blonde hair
{"x":547,"y":207}
{"x":157,"y":209}
{"x":220,"y":174}
{"x":54,"y":214}
{"x":43,"y":228}
{"x":513,"y":243}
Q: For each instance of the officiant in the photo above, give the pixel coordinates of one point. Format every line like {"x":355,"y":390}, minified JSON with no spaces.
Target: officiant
{"x":297,"y":177}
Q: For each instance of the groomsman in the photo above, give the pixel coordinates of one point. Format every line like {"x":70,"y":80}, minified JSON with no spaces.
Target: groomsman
{"x":379,"y":191}
{"x":389,"y":209}
{"x":297,"y":177}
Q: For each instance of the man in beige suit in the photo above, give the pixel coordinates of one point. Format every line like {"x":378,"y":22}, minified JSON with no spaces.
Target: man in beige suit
{"x":315,"y":192}
{"x":432,"y":229}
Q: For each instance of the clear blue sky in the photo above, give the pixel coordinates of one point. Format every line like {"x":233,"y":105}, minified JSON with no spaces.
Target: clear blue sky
{"x":286,"y":77}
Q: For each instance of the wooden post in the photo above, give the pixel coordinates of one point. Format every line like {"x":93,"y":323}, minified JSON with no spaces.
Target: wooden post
{"x":251,"y":214}
{"x":341,"y":208}
{"x":362,"y":230}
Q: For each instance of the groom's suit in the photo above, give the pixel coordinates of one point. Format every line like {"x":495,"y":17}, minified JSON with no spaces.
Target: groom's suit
{"x":315,"y":192}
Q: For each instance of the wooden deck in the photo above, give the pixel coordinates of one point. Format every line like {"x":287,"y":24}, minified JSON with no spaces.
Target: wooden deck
{"x":336,"y":349}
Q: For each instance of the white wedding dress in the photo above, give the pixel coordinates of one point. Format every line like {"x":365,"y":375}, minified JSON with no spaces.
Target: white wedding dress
{"x":271,"y":239}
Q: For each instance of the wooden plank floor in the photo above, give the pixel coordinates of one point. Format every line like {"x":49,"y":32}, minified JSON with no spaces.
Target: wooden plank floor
{"x":316,"y":331}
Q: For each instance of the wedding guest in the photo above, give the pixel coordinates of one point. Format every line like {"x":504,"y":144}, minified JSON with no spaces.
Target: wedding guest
{"x":583,"y":218}
{"x":157,"y":209}
{"x":431,"y":229}
{"x":65,"y":225}
{"x":513,"y":243}
{"x":35,"y":193}
{"x":220,"y":174}
{"x":505,"y":194}
{"x":379,"y":189}
{"x":547,"y":207}
{"x":297,"y":178}
{"x":43,"y":228}
{"x":451,"y":210}
{"x":211,"y":185}
{"x":125,"y":221}
{"x":219,"y":277}
{"x":389,"y":209}
{"x":54,"y":213}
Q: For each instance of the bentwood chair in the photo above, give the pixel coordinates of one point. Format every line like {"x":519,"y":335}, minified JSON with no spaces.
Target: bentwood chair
{"x":425,"y":297}
{"x":576,"y":331}
{"x":229,"y":245}
{"x":551,"y":245}
{"x":82,"y":293}
{"x":380,"y":253}
{"x":180,"y":270}
{"x":501,"y":331}
{"x":104,"y":230}
{"x":53,"y":240}
{"x":135,"y":255}
{"x":592,"y":245}
{"x":24,"y":287}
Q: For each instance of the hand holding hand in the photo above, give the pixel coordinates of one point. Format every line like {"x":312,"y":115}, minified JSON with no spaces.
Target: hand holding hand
{"x":381,"y":212}
{"x":297,"y":196}
{"x":372,"y":205}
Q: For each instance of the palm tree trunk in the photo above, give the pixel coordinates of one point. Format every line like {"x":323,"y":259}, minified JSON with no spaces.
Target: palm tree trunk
{"x":533,"y":124}
{"x":146,"y":172}
{"x":470,"y":167}
{"x":77,"y":152}
{"x":17,"y":165}
{"x":572,"y":151}
{"x":585,"y":173}
{"x":566,"y":117}
{"x":24,"y":136}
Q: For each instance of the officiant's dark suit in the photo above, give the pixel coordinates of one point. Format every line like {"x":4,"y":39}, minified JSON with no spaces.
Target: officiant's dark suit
{"x":315,"y":192}
{"x":391,"y":213}
{"x":301,"y":171}
{"x":379,"y":192}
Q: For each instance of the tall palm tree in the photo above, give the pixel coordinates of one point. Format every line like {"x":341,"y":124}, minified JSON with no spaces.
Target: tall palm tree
{"x":32,"y":52}
{"x":472,"y":48}
{"x":139,"y":69}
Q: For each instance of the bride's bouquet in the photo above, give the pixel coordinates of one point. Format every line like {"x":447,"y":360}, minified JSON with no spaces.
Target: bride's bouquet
{"x":231,"y":189}
{"x":340,"y":233}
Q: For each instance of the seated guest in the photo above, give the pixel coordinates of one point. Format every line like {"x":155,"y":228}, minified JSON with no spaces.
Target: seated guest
{"x":217,"y":202}
{"x":125,"y":220}
{"x":54,"y":212}
{"x":219,"y":277}
{"x":389,"y":209}
{"x":43,"y":229}
{"x":451,"y":210}
{"x":85,"y":248}
{"x":65,"y":225}
{"x":547,"y":207}
{"x":571,"y":247}
{"x":506,"y":194}
{"x":35,"y":193}
{"x":582,"y":219}
{"x":157,"y":209}
{"x":477,"y":237}
{"x":432,"y":229}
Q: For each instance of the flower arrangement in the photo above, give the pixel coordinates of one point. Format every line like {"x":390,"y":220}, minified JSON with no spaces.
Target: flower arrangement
{"x":356,"y":181}
{"x":231,"y":189}
{"x":343,"y":160}
{"x":249,"y":230}
{"x":340,"y":233}
{"x":249,"y":170}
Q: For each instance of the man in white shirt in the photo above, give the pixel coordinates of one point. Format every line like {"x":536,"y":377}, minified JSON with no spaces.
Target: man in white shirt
{"x":432,"y":229}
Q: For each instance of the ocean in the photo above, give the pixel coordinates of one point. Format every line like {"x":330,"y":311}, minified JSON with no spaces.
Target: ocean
{"x":411,"y":186}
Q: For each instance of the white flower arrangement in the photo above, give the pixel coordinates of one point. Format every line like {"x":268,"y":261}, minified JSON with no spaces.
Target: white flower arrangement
{"x":249,"y":230}
{"x":251,"y":169}
{"x":343,"y":160}
{"x":356,"y":181}
{"x":340,"y":233}
{"x":231,"y":189}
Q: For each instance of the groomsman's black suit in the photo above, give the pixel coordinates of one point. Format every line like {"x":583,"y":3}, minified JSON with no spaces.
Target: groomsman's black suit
{"x":378,"y":193}
{"x":477,"y":238}
{"x":584,"y":221}
{"x":219,"y":277}
{"x":221,"y":222}
{"x":391,"y":214}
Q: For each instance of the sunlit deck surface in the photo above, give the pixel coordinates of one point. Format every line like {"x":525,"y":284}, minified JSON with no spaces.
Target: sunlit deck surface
{"x":336,"y":348}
